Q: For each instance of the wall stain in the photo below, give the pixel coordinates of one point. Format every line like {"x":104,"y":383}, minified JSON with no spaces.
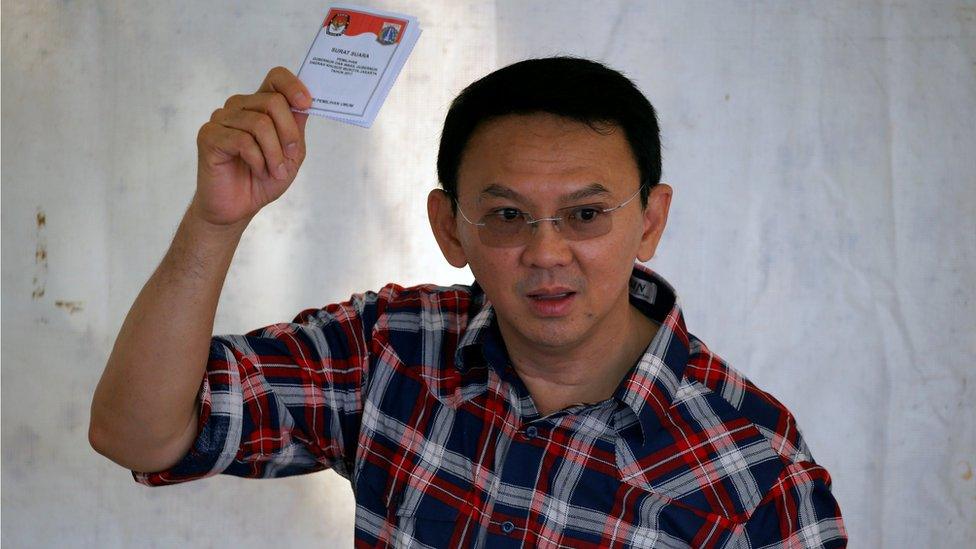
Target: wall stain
{"x":72,"y":416}
{"x":966,"y":14}
{"x":39,"y":279}
{"x":166,"y":112}
{"x":968,"y":473}
{"x":71,"y":306}
{"x":26,"y":440}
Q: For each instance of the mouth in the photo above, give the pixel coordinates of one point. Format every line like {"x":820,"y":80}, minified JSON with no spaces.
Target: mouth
{"x":551,"y":293}
{"x":551,"y":302}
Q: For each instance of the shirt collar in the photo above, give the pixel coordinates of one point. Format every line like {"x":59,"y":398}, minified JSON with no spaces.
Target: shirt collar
{"x":470,"y":351}
{"x":649,"y":388}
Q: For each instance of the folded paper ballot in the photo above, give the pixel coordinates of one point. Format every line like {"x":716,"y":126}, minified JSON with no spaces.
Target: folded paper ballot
{"x":354,"y":60}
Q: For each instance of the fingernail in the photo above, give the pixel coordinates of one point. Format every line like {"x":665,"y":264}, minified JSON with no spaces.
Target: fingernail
{"x":291,"y":150}
{"x":281,"y":172}
{"x":298,"y":98}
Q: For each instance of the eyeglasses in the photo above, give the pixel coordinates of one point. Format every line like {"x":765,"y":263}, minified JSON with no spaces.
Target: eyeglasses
{"x":509,"y":227}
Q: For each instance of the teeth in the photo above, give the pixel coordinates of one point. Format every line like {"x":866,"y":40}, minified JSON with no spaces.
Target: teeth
{"x":554,"y":296}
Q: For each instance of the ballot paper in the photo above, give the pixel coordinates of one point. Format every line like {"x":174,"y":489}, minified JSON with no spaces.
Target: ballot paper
{"x":354,"y":61}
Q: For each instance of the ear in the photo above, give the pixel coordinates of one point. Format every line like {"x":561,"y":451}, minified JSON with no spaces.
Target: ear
{"x":444,"y":224}
{"x":655,"y":219}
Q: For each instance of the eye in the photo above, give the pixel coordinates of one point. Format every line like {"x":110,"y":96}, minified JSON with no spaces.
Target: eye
{"x":507,"y":214}
{"x":585,"y":214}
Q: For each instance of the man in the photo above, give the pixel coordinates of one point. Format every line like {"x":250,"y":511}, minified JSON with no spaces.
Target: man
{"x":559,"y":401}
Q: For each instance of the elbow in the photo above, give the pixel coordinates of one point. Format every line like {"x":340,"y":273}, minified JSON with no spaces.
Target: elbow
{"x":113,"y":446}
{"x":99,"y":431}
{"x":93,"y":439}
{"x":101,"y":443}
{"x":96,"y":436}
{"x":139,"y":453}
{"x":121,"y":453}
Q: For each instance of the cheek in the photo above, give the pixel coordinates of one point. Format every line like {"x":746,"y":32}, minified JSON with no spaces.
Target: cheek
{"x":601,"y":256}
{"x":615,"y":250}
{"x":605,"y":266}
{"x":495,"y":270}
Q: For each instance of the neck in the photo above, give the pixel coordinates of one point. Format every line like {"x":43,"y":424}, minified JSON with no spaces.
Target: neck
{"x":587,"y":372}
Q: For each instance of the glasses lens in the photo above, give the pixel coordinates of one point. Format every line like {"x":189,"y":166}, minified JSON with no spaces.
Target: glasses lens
{"x":583,"y":222}
{"x":509,"y":228}
{"x":503,"y":229}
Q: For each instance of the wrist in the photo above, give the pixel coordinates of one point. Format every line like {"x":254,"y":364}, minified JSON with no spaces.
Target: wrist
{"x":206,"y":241}
{"x":200,"y":226}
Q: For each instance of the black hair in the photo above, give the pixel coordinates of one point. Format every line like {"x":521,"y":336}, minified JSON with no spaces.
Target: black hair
{"x":575,"y":88}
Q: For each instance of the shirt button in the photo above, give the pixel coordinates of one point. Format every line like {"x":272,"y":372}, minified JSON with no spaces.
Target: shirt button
{"x":507,"y":527}
{"x":531,"y":432}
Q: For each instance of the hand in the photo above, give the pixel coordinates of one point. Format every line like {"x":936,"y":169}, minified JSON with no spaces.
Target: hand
{"x":250,"y":150}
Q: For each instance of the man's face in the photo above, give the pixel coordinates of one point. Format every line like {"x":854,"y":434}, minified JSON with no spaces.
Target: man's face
{"x":551,"y":292}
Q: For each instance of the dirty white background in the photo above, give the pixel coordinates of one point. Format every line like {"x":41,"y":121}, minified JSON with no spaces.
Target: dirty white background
{"x":822,"y":234}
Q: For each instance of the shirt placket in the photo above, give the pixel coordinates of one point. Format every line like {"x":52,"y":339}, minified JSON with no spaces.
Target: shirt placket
{"x":519,"y":463}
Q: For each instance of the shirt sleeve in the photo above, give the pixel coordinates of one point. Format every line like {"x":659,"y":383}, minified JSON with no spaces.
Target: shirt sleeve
{"x":285,"y":399}
{"x":798,"y":511}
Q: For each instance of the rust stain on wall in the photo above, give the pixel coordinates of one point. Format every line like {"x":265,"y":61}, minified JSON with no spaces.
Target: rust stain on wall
{"x":40,"y":255}
{"x":71,"y":306}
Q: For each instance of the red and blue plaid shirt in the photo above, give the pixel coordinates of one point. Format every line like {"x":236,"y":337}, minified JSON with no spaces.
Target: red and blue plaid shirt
{"x":409,"y":394}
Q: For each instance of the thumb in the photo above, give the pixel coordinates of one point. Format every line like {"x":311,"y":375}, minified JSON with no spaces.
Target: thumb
{"x":301,"y":119}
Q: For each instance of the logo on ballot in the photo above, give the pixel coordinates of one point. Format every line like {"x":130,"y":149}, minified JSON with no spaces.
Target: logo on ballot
{"x":388,"y":33}
{"x":337,"y":25}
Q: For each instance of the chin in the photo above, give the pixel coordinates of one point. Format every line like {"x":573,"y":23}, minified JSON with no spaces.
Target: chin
{"x":552,"y":335}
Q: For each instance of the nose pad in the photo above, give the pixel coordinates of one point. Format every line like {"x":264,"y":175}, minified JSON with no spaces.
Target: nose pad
{"x":556,"y":224}
{"x":546,"y":251}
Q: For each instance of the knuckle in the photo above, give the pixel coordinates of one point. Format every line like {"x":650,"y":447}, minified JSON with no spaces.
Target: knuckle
{"x":243,"y":140}
{"x":252,"y":156}
{"x":246,"y":119}
{"x":233,"y":100}
{"x":263,"y":122}
{"x":205,"y":132}
{"x":279,"y":102}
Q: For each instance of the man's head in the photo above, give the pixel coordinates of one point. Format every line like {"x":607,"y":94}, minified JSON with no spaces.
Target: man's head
{"x":578,"y":89}
{"x":527,"y":143}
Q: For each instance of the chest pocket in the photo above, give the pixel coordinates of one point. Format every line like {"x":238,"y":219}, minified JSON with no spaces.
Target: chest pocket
{"x":411,"y":503}
{"x":417,"y":514}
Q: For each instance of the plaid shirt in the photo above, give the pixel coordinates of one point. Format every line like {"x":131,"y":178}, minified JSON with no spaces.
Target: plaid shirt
{"x":409,"y":394}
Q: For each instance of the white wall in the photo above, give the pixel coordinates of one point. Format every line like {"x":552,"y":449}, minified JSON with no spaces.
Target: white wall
{"x":822,"y":234}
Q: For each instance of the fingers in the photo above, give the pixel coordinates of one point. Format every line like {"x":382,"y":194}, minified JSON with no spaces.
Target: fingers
{"x":273,"y":104}
{"x":231,"y":143}
{"x":301,"y":119}
{"x":262,"y":129}
{"x":281,"y":80}
{"x":267,"y":116}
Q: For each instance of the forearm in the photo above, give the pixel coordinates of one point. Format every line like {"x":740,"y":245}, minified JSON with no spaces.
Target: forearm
{"x":144,"y":410}
{"x":144,"y":407}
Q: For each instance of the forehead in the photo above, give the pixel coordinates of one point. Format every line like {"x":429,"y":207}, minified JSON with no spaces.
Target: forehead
{"x":541,"y":156}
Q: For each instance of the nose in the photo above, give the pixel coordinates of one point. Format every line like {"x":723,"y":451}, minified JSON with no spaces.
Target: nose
{"x":546,"y":247}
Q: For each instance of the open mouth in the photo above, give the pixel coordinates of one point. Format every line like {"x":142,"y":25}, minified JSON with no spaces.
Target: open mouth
{"x":555,"y":302}
{"x":551,"y":297}
{"x":557,"y":292}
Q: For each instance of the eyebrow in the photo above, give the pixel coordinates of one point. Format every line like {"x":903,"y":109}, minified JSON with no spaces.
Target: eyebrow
{"x":500,"y":191}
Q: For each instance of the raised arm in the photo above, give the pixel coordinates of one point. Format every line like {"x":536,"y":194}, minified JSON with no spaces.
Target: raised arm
{"x":144,"y":410}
